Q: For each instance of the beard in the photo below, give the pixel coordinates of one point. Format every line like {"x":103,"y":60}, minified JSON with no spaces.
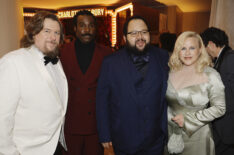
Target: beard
{"x":135,"y":50}
{"x":52,"y":53}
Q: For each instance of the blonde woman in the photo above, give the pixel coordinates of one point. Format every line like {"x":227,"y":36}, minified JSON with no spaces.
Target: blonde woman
{"x":195,"y":97}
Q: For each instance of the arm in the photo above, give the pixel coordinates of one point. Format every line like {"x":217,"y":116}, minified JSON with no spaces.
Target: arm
{"x":9,"y":96}
{"x":195,"y":120}
{"x":102,"y":105}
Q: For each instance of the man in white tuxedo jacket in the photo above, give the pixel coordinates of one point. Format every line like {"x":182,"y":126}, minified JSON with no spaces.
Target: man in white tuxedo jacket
{"x":33,"y":91}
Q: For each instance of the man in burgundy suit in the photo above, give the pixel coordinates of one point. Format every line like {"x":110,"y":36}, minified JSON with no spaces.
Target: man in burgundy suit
{"x":82,"y":59}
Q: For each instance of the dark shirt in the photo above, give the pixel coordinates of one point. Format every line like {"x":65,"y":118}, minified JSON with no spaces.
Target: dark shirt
{"x":84,"y":54}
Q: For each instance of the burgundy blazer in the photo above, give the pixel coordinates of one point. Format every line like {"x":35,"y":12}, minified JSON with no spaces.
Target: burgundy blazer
{"x":81,"y":112}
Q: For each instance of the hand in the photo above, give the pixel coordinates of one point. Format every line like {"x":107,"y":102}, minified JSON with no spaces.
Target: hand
{"x":179,"y":119}
{"x":107,"y":145}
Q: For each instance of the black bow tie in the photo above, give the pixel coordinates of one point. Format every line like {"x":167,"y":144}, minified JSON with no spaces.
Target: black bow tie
{"x":140,"y":58}
{"x":49,"y":59}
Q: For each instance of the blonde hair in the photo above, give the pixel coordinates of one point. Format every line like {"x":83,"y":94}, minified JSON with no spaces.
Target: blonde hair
{"x":204,"y":59}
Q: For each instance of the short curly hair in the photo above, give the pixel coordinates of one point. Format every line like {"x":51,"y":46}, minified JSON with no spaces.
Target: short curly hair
{"x":217,"y":36}
{"x":83,"y":12}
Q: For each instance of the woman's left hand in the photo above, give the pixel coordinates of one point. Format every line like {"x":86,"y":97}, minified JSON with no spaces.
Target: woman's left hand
{"x":179,"y":119}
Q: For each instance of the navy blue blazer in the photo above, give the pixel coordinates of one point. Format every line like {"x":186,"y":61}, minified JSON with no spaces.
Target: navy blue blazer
{"x":130,"y":113}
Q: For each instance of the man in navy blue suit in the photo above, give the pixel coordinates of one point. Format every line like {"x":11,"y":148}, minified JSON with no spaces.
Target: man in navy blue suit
{"x":131,"y":108}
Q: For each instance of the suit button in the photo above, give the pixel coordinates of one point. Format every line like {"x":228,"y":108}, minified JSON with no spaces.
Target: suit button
{"x":89,"y":100}
{"x":89,"y":113}
{"x":78,"y":88}
{"x":89,"y":89}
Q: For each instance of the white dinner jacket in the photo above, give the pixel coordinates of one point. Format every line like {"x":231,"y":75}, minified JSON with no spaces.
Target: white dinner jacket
{"x":31,"y":110}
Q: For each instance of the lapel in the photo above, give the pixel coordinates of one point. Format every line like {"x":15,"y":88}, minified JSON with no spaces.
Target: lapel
{"x":74,"y":61}
{"x":46,"y":75}
{"x":155,"y":68}
{"x":93,"y":66}
{"x":152,"y":71}
{"x":164,"y":73}
{"x":131,"y":72}
{"x":64,"y":96}
{"x":220,"y":58}
{"x":72,"y":64}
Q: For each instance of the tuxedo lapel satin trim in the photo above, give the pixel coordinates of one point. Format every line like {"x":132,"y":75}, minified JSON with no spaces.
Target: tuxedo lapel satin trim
{"x":65,"y":94}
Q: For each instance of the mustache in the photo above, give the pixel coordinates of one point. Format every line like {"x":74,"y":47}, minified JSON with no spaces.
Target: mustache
{"x":141,"y":40}
{"x":52,"y":42}
{"x":87,"y":34}
{"x":135,"y":50}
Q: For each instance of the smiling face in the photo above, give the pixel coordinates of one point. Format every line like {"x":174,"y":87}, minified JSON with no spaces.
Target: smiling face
{"x":190,"y":51}
{"x":138,"y":36}
{"x":47,"y":40}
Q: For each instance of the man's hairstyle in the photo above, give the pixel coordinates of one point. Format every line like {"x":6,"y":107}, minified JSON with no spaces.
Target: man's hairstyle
{"x":215,"y":35}
{"x":35,"y":25}
{"x":83,"y":12}
{"x":204,"y":59}
{"x":125,"y":28}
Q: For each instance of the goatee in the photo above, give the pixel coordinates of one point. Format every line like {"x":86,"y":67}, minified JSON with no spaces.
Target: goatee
{"x":53,"y":54}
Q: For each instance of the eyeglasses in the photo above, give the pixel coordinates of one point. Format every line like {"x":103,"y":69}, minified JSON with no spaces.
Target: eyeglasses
{"x":135,"y":33}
